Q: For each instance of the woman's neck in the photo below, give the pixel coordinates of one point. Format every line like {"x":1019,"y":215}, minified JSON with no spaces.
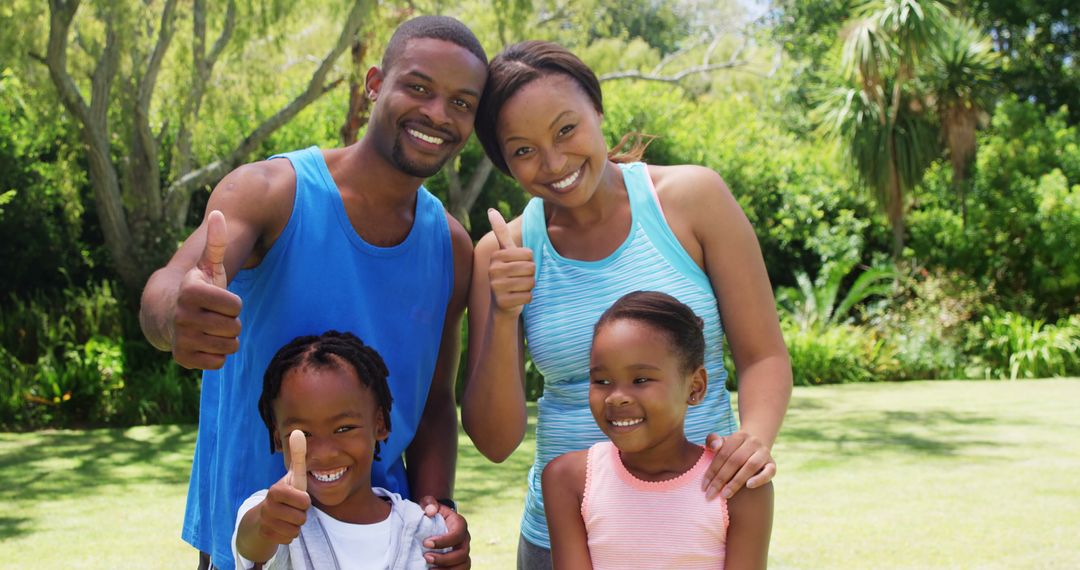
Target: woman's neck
{"x":610,"y":194}
{"x":662,"y":462}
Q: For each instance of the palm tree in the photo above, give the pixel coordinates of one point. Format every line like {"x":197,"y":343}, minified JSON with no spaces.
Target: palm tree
{"x":879,"y":116}
{"x":961,"y":83}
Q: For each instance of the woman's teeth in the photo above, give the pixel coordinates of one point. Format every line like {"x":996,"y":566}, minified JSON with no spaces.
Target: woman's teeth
{"x":567,"y":181}
{"x":329,"y":476}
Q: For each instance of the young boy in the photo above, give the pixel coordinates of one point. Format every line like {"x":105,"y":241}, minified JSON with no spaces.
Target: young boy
{"x":330,"y":394}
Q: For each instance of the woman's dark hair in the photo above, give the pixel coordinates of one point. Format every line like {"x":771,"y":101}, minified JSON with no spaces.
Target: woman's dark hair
{"x":332,"y":349}
{"x":523,"y":63}
{"x":665,"y":314}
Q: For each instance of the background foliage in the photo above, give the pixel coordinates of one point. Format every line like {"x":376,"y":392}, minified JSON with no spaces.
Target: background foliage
{"x":986,"y":285}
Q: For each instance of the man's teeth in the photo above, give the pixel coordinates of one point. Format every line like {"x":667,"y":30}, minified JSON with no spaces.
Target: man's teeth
{"x":425,"y":138}
{"x":329,"y":476}
{"x":567,"y":181}
{"x":627,"y":423}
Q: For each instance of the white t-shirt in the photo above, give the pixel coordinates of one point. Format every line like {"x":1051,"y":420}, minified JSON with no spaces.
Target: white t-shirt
{"x":353,"y":543}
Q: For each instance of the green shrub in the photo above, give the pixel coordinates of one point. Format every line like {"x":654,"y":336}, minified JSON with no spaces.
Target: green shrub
{"x":64,"y":361}
{"x":1010,"y":345}
{"x":1022,"y":227}
{"x":837,"y":354}
{"x":927,"y":321}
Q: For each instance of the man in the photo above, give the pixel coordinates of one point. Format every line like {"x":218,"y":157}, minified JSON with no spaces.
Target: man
{"x":344,"y":239}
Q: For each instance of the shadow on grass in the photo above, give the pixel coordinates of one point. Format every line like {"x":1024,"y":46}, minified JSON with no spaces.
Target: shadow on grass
{"x":13,"y":526}
{"x":845,"y":431}
{"x":57,"y":465}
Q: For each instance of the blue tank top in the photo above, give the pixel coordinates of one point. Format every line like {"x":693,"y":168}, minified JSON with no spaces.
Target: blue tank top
{"x":319,"y":275}
{"x":567,"y":300}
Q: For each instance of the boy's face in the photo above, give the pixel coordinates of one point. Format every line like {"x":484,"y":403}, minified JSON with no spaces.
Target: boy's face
{"x":342,"y":422}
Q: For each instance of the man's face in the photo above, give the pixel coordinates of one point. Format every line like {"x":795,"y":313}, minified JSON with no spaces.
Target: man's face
{"x":425,"y":105}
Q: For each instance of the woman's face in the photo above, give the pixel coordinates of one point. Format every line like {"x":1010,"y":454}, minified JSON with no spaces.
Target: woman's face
{"x":549,"y":133}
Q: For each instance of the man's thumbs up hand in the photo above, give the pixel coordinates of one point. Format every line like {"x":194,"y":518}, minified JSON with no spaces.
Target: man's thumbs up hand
{"x":212,"y":261}
{"x":206,"y":327}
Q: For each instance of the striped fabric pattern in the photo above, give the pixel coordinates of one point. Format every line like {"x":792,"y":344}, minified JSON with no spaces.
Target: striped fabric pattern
{"x":684,"y":530}
{"x":569,"y":297}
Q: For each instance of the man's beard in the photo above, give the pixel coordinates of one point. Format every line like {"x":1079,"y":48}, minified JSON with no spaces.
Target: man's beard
{"x":419,"y":170}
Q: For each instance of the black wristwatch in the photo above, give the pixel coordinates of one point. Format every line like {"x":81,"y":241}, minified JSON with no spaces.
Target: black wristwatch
{"x":448,"y":502}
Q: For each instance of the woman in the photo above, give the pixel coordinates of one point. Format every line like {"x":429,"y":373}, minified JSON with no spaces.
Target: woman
{"x":598,"y":227}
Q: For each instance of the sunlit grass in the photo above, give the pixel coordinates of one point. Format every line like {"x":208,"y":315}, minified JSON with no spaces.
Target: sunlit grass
{"x":917,"y":475}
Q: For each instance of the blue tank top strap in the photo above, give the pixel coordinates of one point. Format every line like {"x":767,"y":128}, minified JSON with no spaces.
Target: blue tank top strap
{"x":645,"y":204}
{"x":534,"y":230}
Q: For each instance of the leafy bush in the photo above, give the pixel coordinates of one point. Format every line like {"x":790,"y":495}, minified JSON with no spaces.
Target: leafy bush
{"x":837,"y":354}
{"x":927,"y":321}
{"x":1010,"y":345}
{"x":64,"y":361}
{"x":1022,"y":227}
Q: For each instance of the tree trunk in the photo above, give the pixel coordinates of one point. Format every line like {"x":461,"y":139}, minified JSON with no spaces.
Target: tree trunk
{"x":359,"y":103}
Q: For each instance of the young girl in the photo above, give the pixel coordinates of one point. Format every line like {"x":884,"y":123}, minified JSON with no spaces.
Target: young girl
{"x":326,"y":404}
{"x":635,"y":501}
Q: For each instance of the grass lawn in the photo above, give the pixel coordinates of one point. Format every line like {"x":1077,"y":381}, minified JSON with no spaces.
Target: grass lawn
{"x":916,"y":475}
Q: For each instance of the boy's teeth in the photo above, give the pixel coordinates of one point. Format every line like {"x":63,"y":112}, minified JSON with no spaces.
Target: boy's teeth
{"x":627,"y":423}
{"x":425,"y":138}
{"x":329,"y":476}
{"x":567,"y":181}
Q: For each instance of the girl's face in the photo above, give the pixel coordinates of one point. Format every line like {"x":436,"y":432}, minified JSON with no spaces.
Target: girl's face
{"x":342,"y":422}
{"x":549,"y":133}
{"x":639,"y":392}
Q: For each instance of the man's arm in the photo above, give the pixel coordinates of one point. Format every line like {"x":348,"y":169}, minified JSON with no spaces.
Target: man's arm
{"x":431,"y":458}
{"x":184,"y":308}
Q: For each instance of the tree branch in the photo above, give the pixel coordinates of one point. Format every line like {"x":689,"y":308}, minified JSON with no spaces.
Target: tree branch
{"x":202,"y":68}
{"x":60,"y":15}
{"x":182,"y":187}
{"x":674,"y":78}
{"x":93,"y":119}
{"x":146,"y":183}
{"x":476,"y":182}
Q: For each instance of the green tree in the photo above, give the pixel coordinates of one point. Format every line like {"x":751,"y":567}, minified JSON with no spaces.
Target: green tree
{"x":961,"y":82}
{"x":884,"y":117}
{"x":1040,"y":46}
{"x":138,"y":135}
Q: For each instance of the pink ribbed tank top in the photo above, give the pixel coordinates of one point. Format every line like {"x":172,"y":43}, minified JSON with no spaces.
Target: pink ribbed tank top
{"x":635,"y":524}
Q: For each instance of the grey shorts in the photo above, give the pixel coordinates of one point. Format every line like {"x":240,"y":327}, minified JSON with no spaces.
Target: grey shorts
{"x":532,"y":557}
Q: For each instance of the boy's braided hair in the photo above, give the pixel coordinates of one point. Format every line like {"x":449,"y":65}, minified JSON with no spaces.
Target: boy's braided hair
{"x":332,"y":349}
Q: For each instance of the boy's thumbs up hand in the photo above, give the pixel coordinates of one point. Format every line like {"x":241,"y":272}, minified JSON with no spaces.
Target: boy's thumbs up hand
{"x":285,"y":508}
{"x":511,"y":271}
{"x":205,"y":323}
{"x":297,"y":460}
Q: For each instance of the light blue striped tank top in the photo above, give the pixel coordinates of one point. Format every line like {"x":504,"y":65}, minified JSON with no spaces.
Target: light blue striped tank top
{"x":567,"y":300}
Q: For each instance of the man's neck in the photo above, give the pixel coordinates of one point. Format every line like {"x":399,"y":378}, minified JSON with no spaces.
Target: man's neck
{"x":361,"y":172}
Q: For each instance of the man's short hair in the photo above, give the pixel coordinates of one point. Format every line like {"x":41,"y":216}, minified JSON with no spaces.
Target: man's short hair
{"x":434,"y":27}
